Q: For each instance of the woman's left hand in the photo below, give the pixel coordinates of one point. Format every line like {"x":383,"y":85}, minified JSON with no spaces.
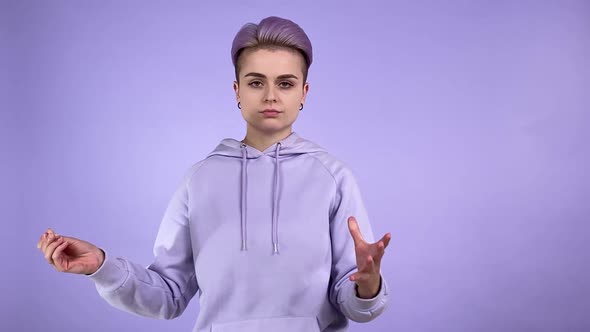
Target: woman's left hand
{"x":368,"y":261}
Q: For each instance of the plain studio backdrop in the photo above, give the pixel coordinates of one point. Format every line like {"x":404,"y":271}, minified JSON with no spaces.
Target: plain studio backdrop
{"x":466,"y":123}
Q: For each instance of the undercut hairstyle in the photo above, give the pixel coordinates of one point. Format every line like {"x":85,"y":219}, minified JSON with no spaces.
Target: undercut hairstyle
{"x":272,"y":33}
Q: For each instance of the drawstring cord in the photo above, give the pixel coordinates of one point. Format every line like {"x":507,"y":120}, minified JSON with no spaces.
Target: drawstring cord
{"x":275,"y":205}
{"x":243,"y":203}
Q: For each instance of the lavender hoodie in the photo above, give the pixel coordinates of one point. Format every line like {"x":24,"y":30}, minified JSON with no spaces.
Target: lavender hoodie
{"x":262,"y":237}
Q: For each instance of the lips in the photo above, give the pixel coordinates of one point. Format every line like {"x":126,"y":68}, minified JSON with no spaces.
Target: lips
{"x":270,"y":113}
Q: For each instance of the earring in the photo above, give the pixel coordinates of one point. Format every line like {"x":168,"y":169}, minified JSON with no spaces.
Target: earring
{"x":301,"y":107}
{"x":239,"y":105}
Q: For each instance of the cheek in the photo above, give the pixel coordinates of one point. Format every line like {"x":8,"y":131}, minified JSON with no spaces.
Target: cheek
{"x":294,"y":98}
{"x":251,"y":95}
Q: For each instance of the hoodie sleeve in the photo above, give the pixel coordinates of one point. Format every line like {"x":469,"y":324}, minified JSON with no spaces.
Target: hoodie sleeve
{"x":164,"y":288}
{"x":348,"y":202}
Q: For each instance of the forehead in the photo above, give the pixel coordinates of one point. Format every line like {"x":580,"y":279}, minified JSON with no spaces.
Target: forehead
{"x":271,"y":62}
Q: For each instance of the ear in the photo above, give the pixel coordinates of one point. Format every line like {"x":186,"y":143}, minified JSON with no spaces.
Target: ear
{"x":237,"y":90}
{"x":305,"y":90}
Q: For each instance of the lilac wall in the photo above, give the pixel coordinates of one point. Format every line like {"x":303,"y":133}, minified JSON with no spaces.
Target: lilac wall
{"x":467,"y":126}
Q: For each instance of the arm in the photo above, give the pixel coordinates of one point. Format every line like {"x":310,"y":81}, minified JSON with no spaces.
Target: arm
{"x":343,"y":291}
{"x":163,"y":289}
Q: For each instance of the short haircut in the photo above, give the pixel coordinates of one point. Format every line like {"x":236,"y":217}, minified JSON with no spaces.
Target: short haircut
{"x":272,"y":33}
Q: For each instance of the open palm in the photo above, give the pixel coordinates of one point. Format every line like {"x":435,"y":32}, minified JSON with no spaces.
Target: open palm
{"x":368,"y":260}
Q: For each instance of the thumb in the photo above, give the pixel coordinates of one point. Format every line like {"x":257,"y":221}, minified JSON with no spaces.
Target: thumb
{"x":355,"y":231}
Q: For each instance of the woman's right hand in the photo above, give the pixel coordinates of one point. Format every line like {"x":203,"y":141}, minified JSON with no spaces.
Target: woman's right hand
{"x":68,"y":254}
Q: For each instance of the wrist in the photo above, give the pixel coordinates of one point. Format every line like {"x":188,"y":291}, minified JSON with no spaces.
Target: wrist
{"x":100,"y":255}
{"x":369,"y":289}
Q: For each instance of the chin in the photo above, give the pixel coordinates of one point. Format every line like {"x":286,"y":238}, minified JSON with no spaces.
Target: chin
{"x":271,"y":128}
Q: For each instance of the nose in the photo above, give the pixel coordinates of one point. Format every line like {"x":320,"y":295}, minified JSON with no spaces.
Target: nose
{"x":270,"y":95}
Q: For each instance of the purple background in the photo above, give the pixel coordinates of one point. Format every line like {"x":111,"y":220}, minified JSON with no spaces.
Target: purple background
{"x":467,"y":126}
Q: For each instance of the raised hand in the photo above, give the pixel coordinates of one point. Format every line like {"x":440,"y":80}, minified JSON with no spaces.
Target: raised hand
{"x":368,"y":261}
{"x":68,"y":254}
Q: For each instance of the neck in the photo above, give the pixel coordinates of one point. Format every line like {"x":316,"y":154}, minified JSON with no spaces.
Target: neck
{"x":262,"y":141}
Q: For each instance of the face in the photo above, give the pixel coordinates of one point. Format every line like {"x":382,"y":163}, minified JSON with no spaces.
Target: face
{"x":270,"y":90}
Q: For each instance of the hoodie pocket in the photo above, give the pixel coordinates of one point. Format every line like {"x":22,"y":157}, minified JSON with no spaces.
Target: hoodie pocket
{"x":282,"y":324}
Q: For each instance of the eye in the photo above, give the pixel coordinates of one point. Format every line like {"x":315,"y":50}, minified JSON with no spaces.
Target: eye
{"x":285,"y":84}
{"x":255,"y":84}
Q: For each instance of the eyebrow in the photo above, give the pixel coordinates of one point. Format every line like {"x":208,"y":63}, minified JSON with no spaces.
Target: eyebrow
{"x":280,"y":77}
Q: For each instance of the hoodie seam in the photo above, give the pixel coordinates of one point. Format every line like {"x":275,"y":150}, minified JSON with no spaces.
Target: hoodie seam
{"x":324,"y":166}
{"x":186,"y":187}
{"x":333,"y":178}
{"x":127,"y":273}
{"x":188,"y":217}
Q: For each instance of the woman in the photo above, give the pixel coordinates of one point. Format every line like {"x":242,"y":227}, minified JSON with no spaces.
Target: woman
{"x":269,"y":230}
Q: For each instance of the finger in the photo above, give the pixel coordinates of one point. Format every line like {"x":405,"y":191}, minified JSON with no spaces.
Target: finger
{"x":51,"y":248}
{"x":45,"y":236}
{"x":56,"y":257}
{"x":385,"y":239}
{"x":353,"y":227}
{"x":48,"y":253}
{"x":53,"y":233}
{"x":380,"y":252}
{"x":360,"y":277}
{"x":369,"y":264}
{"x":49,"y":238}
{"x":41,"y":239}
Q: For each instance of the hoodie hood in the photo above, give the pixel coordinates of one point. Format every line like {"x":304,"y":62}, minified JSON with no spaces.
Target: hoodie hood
{"x":289,"y":146}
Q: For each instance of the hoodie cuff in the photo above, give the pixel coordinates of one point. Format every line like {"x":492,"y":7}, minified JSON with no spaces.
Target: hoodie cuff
{"x":111,"y":274}
{"x":371,"y":304}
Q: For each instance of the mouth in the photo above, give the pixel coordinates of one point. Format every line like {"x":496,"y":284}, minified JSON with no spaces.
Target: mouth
{"x":270,"y":113}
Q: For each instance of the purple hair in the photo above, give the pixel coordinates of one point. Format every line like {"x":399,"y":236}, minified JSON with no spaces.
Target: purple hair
{"x":271,"y":33}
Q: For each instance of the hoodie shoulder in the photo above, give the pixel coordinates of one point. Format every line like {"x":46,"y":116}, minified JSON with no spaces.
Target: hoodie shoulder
{"x":190,"y":172}
{"x":336,"y":167}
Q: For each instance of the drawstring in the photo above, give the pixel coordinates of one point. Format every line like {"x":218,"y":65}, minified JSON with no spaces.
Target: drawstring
{"x":275,"y":203}
{"x":243,"y":204}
